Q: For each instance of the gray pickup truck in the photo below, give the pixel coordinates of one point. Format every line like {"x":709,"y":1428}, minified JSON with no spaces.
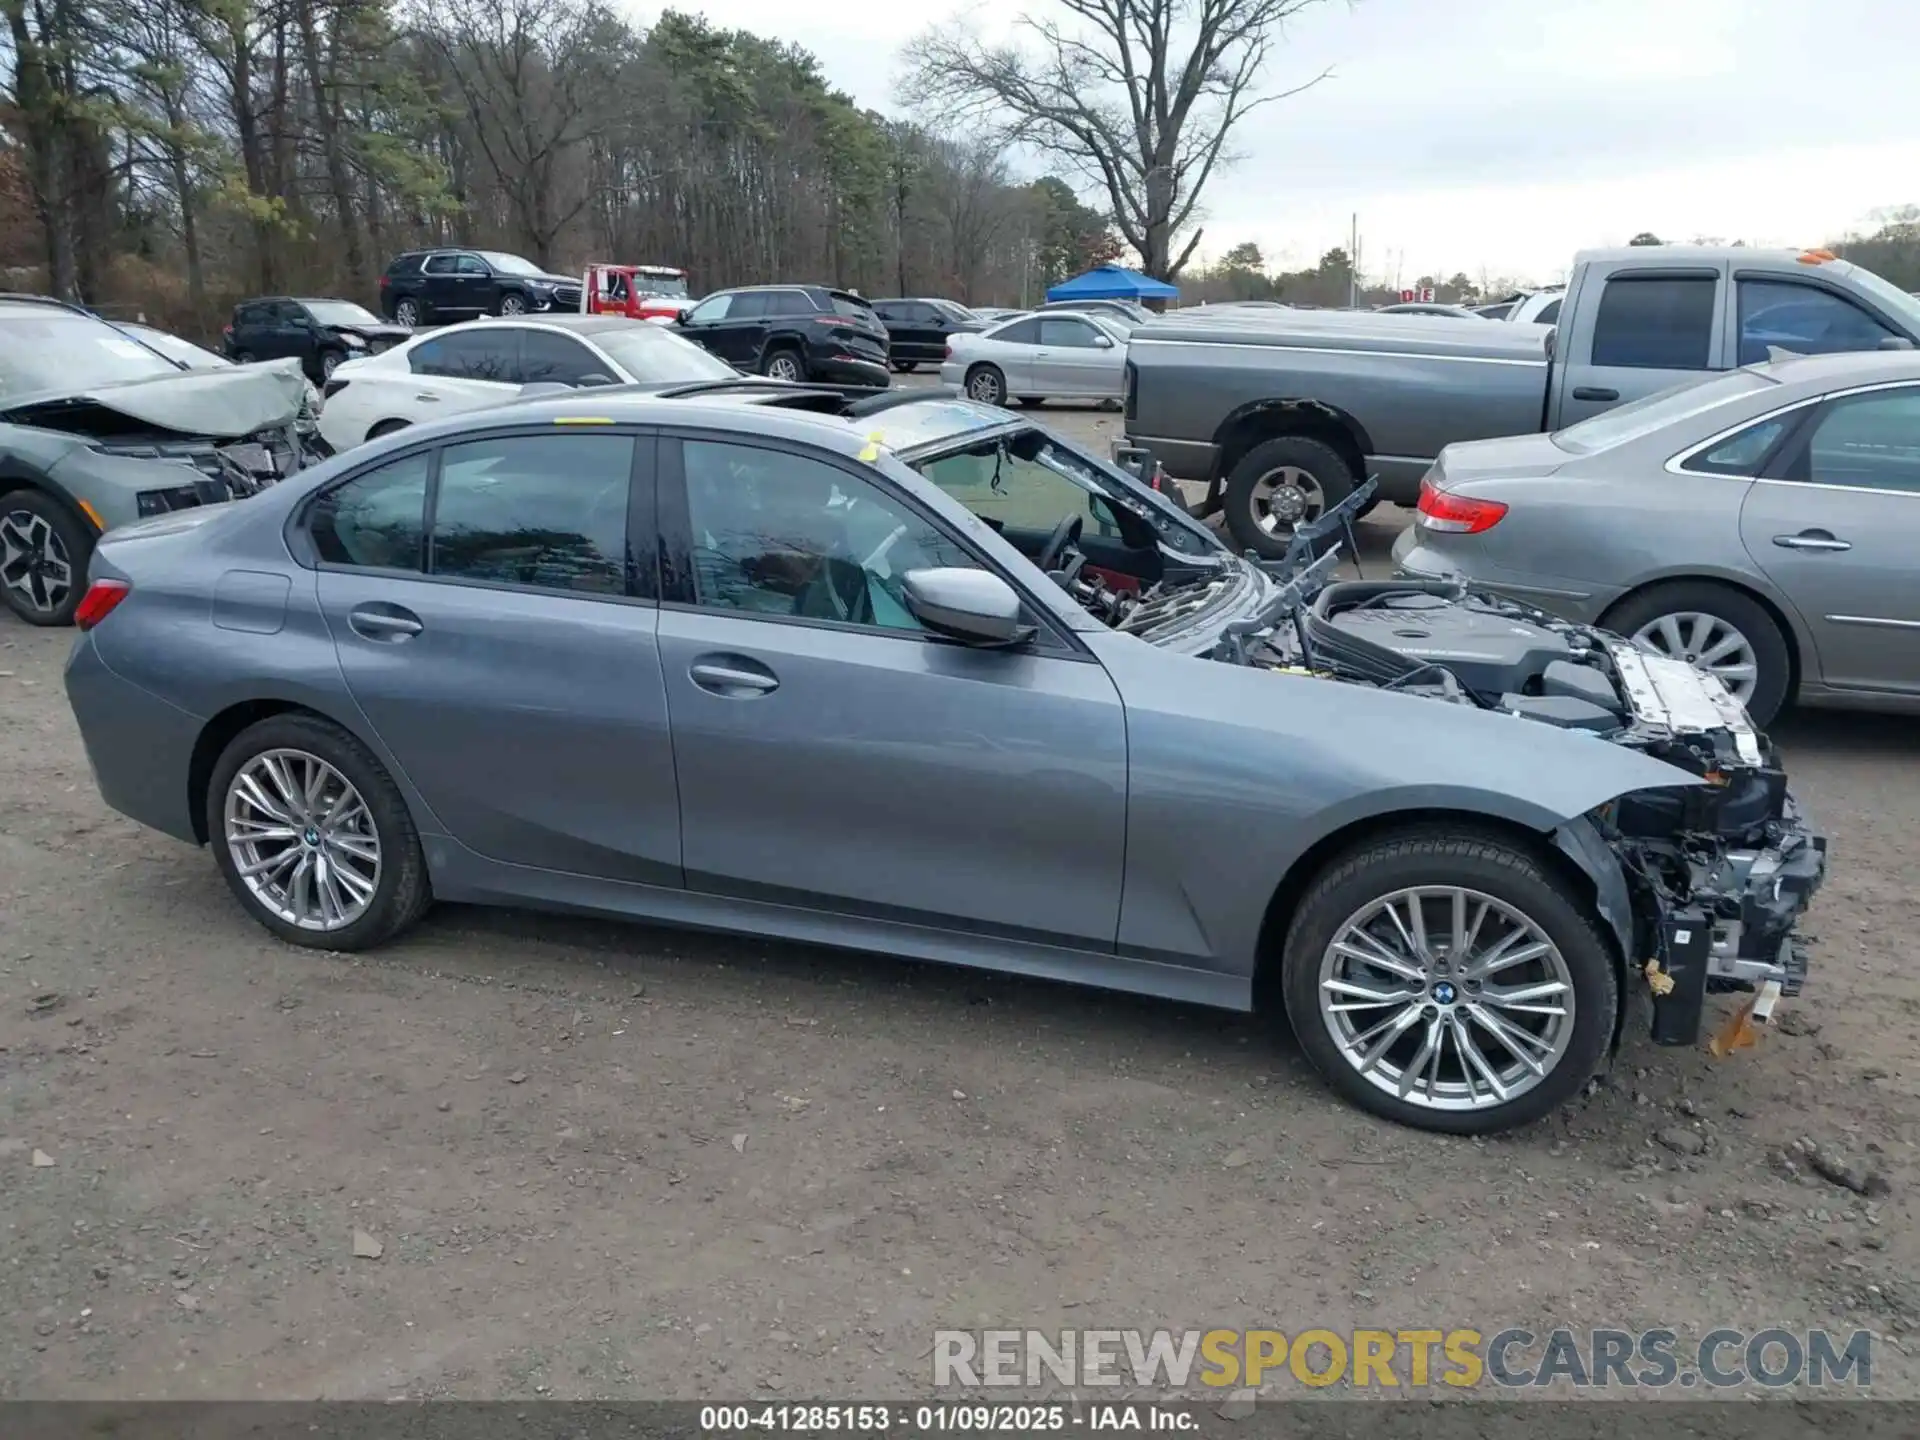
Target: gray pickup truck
{"x":1282,"y":412}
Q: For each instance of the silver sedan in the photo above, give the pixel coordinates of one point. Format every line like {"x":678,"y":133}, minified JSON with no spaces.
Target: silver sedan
{"x":1059,"y":355}
{"x":1760,"y":524}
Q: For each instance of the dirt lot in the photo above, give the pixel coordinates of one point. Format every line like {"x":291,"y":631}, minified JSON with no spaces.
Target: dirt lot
{"x":607,"y":1161}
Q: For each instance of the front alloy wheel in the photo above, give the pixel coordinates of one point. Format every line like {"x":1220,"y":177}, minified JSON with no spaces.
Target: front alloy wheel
{"x":34,"y":564}
{"x":512,"y":305}
{"x":1447,"y":998}
{"x":302,"y":840}
{"x":1449,"y":978}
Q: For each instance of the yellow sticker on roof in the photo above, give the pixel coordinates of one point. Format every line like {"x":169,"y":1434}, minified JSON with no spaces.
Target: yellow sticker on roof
{"x":582,"y":420}
{"x":872,"y":452}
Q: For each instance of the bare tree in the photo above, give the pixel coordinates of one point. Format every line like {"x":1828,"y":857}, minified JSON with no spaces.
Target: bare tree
{"x":1139,"y":96}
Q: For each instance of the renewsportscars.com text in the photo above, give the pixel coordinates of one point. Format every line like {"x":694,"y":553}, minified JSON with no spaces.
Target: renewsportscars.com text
{"x":1511,"y":1358}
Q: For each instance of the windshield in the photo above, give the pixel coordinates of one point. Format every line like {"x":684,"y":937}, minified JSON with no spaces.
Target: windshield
{"x":510,"y":264}
{"x":956,"y":311}
{"x":43,"y":348}
{"x":181,"y":352}
{"x":1026,"y":483}
{"x":672,"y":285}
{"x":341,"y":312}
{"x":1665,"y":407}
{"x":1890,"y":297}
{"x":653,"y":355}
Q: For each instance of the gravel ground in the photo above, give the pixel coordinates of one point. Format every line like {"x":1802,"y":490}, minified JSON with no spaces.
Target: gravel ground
{"x":522,"y":1156}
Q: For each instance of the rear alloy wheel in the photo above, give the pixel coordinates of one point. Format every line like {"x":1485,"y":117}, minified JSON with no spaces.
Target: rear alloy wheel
{"x":986,"y":384}
{"x":784,"y":365}
{"x":1280,"y":484}
{"x":511,"y":304}
{"x":407,"y":313}
{"x":44,"y":552}
{"x":1447,"y":980}
{"x":1718,"y":630}
{"x":314,"y":837}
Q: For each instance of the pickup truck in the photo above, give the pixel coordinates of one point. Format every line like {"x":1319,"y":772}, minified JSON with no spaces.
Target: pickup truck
{"x":1281,"y":413}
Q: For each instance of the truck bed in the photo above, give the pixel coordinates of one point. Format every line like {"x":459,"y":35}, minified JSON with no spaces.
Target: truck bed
{"x":1406,"y":384}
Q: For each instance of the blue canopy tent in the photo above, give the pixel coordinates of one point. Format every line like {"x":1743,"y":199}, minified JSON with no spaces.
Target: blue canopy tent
{"x":1113,"y":282}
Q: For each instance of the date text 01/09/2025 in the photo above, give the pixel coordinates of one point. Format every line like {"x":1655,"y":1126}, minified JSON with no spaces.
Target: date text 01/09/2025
{"x":907,"y":1418}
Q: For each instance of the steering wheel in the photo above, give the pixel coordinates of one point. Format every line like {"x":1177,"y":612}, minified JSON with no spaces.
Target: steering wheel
{"x":1064,"y":537}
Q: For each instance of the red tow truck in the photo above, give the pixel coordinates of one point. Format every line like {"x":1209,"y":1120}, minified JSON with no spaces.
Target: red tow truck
{"x":640,"y":292}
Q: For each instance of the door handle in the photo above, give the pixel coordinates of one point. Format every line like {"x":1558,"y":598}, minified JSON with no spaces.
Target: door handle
{"x":1811,"y":540}
{"x":1594,"y":392}
{"x":384,"y":622}
{"x":733,"y":676}
{"x":427,"y":399}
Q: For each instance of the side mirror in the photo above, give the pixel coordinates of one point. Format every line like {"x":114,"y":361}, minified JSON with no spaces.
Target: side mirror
{"x":967,"y":605}
{"x":1896,"y":342}
{"x":1103,"y":342}
{"x":593,"y":379}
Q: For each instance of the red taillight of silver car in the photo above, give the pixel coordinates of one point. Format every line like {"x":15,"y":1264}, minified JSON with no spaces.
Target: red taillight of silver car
{"x":1456,"y":514}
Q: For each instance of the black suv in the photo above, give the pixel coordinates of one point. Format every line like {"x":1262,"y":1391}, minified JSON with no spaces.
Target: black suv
{"x":424,"y":285}
{"x":318,"y":333}
{"x":917,"y":330}
{"x":793,"y":332}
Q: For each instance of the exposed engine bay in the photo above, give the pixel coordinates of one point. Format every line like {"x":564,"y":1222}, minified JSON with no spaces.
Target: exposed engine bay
{"x":1718,"y":873}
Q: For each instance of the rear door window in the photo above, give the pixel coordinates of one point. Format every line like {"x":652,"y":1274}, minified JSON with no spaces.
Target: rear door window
{"x":1655,"y":322}
{"x":546,"y":511}
{"x":442,"y":264}
{"x":490,"y":353}
{"x":548,"y":358}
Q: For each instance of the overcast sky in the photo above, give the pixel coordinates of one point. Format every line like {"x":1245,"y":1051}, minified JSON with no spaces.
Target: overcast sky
{"x":1505,"y":134}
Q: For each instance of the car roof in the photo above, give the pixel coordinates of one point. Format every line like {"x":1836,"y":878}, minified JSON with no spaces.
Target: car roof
{"x":1815,"y":373}
{"x":572,"y":323}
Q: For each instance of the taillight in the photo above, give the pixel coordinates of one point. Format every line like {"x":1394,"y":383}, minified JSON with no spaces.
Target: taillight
{"x":949,"y":350}
{"x":99,"y":601}
{"x":1456,"y":514}
{"x":385,"y":282}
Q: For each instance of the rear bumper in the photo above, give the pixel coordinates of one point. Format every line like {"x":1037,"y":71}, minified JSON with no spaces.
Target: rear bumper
{"x":1182,"y":459}
{"x":849,"y":370}
{"x":139,"y":747}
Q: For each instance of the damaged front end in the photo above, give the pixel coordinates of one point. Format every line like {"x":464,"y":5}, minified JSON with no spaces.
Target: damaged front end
{"x":1717,"y":873}
{"x":239,"y":430}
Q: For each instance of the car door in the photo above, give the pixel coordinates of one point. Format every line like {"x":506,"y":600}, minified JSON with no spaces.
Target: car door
{"x":479,"y":287}
{"x":1647,"y":331}
{"x":463,"y":370}
{"x":498,"y":634}
{"x":832,"y":754}
{"x":1011,"y":348}
{"x":252,"y":329}
{"x":924,"y":336}
{"x":1076,"y":357}
{"x":440,"y":284}
{"x":1835,"y":523}
{"x":712,"y":324}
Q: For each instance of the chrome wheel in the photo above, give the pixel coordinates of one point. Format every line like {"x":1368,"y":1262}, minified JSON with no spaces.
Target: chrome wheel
{"x":1707,"y":643}
{"x":34,"y":563}
{"x":329,"y":363}
{"x":1446,"y":998}
{"x":512,"y":305}
{"x":1287,"y":497}
{"x":302,"y":840}
{"x":406,"y":313}
{"x":783,"y":367}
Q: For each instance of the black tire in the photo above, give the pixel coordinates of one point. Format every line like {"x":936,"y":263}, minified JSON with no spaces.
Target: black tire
{"x":386,"y":427}
{"x":1442,"y":855}
{"x":402,"y":894}
{"x":779,"y":357}
{"x":986,"y":384}
{"x":1033,"y":402}
{"x":1773,"y":659}
{"x":243,"y":357}
{"x":409,"y":312}
{"x":1320,"y":461}
{"x":35,"y":530}
{"x":906,"y":367}
{"x":511,"y":303}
